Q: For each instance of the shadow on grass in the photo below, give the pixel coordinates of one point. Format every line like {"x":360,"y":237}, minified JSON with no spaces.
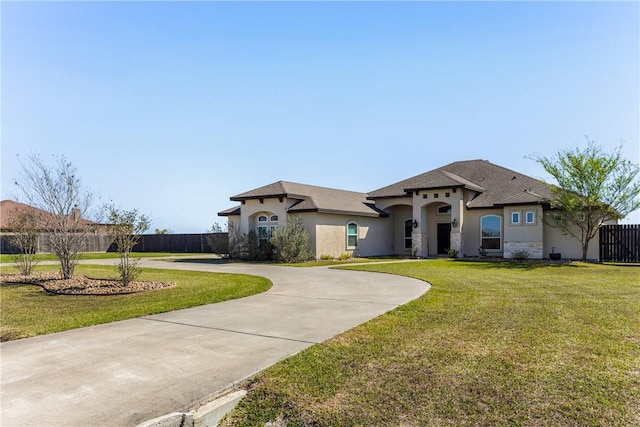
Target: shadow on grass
{"x":519,"y":265}
{"x":622,"y":264}
{"x":203,"y":260}
{"x":40,"y":290}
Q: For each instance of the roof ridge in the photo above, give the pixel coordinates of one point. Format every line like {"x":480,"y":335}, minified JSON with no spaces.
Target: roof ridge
{"x":320,"y":187}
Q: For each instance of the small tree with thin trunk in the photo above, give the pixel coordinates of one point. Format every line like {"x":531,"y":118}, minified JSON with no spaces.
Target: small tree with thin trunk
{"x":593,"y":187}
{"x":125,"y":228}
{"x":23,"y":235}
{"x":57,"y":191}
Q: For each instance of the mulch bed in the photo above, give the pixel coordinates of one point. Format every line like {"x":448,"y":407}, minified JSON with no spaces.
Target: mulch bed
{"x":83,"y":285}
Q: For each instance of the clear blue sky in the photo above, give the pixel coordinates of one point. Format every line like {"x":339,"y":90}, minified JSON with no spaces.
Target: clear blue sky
{"x":172,"y":107}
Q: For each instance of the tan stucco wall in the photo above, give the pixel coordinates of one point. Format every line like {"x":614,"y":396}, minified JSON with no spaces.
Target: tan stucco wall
{"x":471,"y":230}
{"x":309,"y":222}
{"x":387,"y":203}
{"x":398,"y":215}
{"x":425,"y":210}
{"x":327,"y":232}
{"x":567,"y":245}
{"x":251,"y":209}
{"x":523,"y":236}
{"x":233,"y":219}
{"x":375,"y":235}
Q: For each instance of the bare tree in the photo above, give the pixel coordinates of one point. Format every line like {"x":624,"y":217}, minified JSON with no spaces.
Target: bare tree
{"x":125,"y":228}
{"x":237,"y":243}
{"x":56,"y":189}
{"x":23,"y":234}
{"x":219,"y":240}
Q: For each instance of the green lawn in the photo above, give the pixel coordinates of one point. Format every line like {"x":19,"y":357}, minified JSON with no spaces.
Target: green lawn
{"x":27,"y":310}
{"x":316,"y":263}
{"x":336,"y":262}
{"x":490,"y":344}
{"x":7,"y":258}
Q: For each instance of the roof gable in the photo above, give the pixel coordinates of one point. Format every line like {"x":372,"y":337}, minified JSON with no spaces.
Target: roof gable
{"x":314,"y":198}
{"x":494,"y":185}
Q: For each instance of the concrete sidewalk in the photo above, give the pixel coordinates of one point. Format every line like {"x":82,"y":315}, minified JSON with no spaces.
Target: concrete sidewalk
{"x":123,"y":373}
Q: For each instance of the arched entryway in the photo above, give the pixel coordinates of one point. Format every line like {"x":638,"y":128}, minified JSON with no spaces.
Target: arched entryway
{"x":435,"y":229}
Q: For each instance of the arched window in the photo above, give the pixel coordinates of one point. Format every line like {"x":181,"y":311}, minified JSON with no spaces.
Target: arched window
{"x":268,"y":224}
{"x":491,"y":232}
{"x":352,"y":235}
{"x":408,"y":230}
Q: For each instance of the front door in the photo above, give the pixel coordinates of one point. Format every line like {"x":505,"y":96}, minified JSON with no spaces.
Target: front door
{"x":444,"y":238}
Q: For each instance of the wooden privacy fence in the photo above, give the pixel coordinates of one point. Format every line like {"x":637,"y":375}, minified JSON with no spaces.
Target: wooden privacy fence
{"x":620,"y":243}
{"x":174,"y":243}
{"x":147,"y":243}
{"x":92,"y":243}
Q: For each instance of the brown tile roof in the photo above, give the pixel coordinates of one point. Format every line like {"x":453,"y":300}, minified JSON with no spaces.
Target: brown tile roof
{"x":313,"y":199}
{"x":230,"y":212}
{"x":495,"y":185}
{"x":10,"y":207}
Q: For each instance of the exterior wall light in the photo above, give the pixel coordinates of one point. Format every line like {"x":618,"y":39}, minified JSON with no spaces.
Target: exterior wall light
{"x":415,"y":224}
{"x":454,"y":223}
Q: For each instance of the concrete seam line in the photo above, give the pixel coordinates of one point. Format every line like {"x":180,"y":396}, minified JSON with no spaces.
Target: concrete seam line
{"x":229,"y":330}
{"x":332,"y":299}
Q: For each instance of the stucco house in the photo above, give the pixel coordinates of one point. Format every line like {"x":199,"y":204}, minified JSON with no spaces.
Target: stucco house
{"x":469,"y":206}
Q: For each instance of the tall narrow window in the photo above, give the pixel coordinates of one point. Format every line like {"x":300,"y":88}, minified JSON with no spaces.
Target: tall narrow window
{"x":263,"y":235}
{"x":352,"y":235}
{"x":408,"y":230}
{"x":530,"y":217}
{"x":491,"y":226}
{"x":515,"y":217}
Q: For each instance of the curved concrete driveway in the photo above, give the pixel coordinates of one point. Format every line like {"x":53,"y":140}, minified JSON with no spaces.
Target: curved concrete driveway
{"x":123,"y":373}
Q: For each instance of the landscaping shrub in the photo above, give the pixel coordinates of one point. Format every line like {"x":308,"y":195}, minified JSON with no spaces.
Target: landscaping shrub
{"x":520,"y":255}
{"x":291,"y":242}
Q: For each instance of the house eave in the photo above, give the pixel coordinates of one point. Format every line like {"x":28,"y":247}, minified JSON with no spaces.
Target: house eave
{"x":501,"y":205}
{"x":270,"y":196}
{"x":387,"y":197}
{"x":445,"y":187}
{"x":339,"y":212}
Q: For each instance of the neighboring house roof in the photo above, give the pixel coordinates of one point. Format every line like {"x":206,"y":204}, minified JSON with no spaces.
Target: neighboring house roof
{"x":9,"y":208}
{"x":494,"y":185}
{"x":311,"y":199}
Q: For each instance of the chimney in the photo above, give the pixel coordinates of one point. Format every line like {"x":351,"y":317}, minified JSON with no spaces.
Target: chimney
{"x":75,"y":214}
